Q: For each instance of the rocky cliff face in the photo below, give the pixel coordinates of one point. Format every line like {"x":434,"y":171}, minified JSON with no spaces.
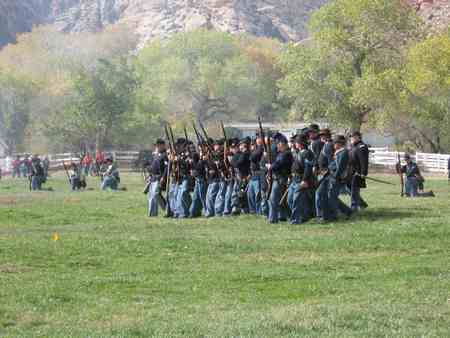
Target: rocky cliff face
{"x":436,"y":13}
{"x":282,"y":19}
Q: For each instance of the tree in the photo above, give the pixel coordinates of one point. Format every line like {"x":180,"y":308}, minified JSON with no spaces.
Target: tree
{"x":352,"y":40}
{"x":96,"y":111}
{"x":427,"y":87}
{"x":202,"y":74}
{"x":16,"y":95}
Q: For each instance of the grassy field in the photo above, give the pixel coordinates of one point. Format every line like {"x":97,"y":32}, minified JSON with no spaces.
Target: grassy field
{"x":115,"y":272}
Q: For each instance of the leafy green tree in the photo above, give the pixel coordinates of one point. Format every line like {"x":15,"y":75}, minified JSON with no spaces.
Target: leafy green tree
{"x":16,"y":95}
{"x":427,"y":83}
{"x":96,"y":112}
{"x":202,"y":74}
{"x":353,"y":40}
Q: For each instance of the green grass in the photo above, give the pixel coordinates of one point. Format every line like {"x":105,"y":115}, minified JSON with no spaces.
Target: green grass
{"x":115,"y":272}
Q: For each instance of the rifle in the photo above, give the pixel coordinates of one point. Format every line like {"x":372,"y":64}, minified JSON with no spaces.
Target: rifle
{"x":172,"y":139}
{"x":285,"y":195}
{"x":376,"y":180}
{"x":399,"y":171}
{"x":268,"y":151}
{"x":202,"y":127}
{"x":225,"y":149}
{"x":169,"y":212}
{"x":200,"y":138}
{"x":186,"y":134}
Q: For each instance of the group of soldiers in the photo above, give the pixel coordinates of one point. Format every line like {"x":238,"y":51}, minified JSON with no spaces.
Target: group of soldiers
{"x":107,"y":171}
{"x":32,"y":167}
{"x":293,"y":180}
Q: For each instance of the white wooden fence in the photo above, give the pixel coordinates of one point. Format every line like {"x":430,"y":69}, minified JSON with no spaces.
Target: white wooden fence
{"x":427,"y":162}
{"x":378,"y":156}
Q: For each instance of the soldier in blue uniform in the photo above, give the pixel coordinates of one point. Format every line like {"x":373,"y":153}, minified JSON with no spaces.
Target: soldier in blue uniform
{"x":230,"y":181}
{"x":157,"y":178}
{"x":338,"y":169}
{"x":183,"y":199}
{"x":214,"y":178}
{"x":241,"y":165}
{"x":359,"y":158}
{"x":300,"y":193}
{"x":37,"y":173}
{"x":198,"y":172}
{"x":281,"y":169}
{"x":254,"y":190}
{"x":325,"y":158}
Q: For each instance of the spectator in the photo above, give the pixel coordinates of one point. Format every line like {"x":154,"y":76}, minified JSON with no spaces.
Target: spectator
{"x":87,"y":163}
{"x":46,"y":166}
{"x":16,"y":167}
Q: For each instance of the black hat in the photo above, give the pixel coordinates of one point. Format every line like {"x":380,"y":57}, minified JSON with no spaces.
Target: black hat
{"x":314,"y":128}
{"x":234,"y":142}
{"x":220,"y":142}
{"x":281,"y":139}
{"x":160,"y":141}
{"x":407,"y":156}
{"x":340,"y":139}
{"x":356,"y":133}
{"x":245,"y":140}
{"x":109,"y":159}
{"x":180,"y":141}
{"x":325,"y":132}
{"x":301,"y":139}
{"x":293,"y":138}
{"x":277,"y":136}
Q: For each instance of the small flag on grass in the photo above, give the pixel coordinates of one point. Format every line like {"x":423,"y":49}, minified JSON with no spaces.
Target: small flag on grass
{"x":55,"y":236}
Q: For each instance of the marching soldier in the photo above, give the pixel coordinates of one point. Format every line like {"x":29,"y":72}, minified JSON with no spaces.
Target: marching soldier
{"x":157,"y":179}
{"x":325,"y":158}
{"x":183,"y":199}
{"x":198,"y":172}
{"x":315,"y":141}
{"x":254,"y":190}
{"x":241,"y":165}
{"x":300,"y":192}
{"x":359,"y":157}
{"x":225,"y":173}
{"x":338,"y":175}
{"x":281,"y":169}
{"x":230,"y":181}
{"x":213,"y":173}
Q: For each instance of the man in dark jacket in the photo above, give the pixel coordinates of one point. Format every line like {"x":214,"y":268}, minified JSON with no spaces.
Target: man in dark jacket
{"x":241,"y":166}
{"x":359,"y":162}
{"x":156,"y":179}
{"x":281,"y":169}
{"x":257,"y":177}
{"x":338,"y":169}
{"x":300,"y":192}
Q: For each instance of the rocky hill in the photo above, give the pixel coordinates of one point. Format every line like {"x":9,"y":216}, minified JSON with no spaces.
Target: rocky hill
{"x":285,"y":20}
{"x":282,"y":19}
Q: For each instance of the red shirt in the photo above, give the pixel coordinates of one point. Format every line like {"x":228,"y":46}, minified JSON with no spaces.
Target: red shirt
{"x":87,"y":159}
{"x":99,"y":157}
